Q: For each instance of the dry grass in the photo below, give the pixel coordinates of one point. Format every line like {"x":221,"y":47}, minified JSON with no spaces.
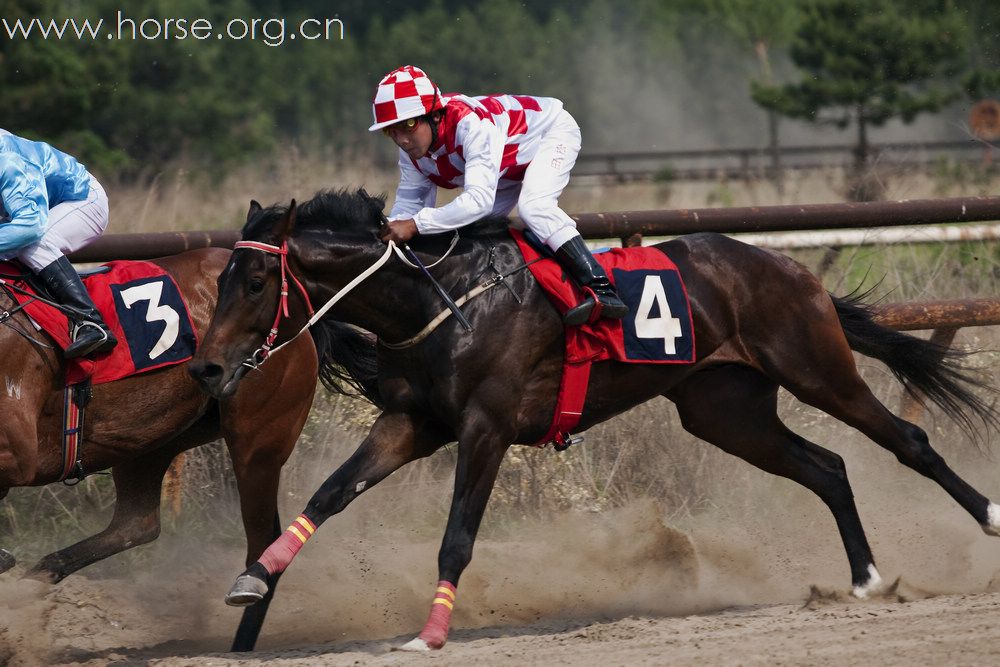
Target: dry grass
{"x":177,"y":199}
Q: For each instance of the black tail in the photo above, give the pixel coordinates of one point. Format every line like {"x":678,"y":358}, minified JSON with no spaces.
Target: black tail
{"x":926,"y":368}
{"x":347,"y":356}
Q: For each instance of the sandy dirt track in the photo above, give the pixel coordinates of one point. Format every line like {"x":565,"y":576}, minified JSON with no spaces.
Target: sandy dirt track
{"x":621,"y":588}
{"x":947,"y":630}
{"x":895,"y":629}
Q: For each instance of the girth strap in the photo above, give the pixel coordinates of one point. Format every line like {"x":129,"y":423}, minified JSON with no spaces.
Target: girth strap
{"x":75,"y":399}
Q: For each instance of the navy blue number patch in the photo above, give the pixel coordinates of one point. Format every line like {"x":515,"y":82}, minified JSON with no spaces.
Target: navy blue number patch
{"x":154,"y":320}
{"x":658,"y":326}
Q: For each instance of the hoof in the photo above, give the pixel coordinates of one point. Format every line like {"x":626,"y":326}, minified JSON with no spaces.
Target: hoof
{"x":417,"y":645}
{"x":246,"y":591}
{"x":873,"y":585}
{"x":7,"y":560}
{"x":992,"y":525}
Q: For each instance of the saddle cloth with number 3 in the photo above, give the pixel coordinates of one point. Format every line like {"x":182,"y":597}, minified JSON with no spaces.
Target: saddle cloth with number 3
{"x":143,"y":307}
{"x":657,"y":330}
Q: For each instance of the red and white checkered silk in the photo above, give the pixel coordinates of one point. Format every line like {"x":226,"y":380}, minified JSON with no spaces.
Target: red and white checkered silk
{"x":521,"y":119}
{"x":406,"y":92}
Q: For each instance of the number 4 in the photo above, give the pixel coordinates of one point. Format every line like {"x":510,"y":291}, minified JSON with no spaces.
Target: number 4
{"x":665,"y":326}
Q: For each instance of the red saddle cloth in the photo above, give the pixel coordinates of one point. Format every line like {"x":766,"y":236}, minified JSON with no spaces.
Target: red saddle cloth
{"x":657,"y":330}
{"x":141,"y":304}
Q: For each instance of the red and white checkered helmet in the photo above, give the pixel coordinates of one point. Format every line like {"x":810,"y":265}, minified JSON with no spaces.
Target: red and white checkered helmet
{"x":406,"y":92}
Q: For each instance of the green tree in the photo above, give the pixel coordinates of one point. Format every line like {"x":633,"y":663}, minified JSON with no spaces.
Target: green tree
{"x":760,"y":26}
{"x":983,"y":19}
{"x":868,"y":61}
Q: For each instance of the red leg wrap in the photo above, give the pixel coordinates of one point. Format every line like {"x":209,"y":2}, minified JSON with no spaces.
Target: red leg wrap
{"x":281,"y":552}
{"x":435,"y":632}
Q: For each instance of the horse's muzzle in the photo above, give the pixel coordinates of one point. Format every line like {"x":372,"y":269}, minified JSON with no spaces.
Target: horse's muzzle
{"x":211,"y":377}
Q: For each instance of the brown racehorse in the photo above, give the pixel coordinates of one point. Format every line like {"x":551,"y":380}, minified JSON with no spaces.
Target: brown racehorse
{"x":761,"y":321}
{"x":137,"y":425}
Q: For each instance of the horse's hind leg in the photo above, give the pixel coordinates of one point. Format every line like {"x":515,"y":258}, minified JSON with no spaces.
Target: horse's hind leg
{"x":735,"y":408}
{"x":136,"y":519}
{"x":834,"y":386}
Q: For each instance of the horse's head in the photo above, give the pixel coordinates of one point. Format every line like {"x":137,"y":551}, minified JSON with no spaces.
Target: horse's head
{"x":255,"y":312}
{"x":250,"y":288}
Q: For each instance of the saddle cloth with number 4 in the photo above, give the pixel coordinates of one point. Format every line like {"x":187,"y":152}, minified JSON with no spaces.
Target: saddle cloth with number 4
{"x":143,"y":307}
{"x":658,"y":327}
{"x":657,"y":330}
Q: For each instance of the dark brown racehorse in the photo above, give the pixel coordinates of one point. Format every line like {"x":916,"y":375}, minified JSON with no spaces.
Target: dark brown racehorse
{"x":761,"y":322}
{"x":137,"y":425}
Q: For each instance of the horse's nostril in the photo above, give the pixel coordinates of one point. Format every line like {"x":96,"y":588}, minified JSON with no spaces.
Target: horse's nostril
{"x":206,"y":372}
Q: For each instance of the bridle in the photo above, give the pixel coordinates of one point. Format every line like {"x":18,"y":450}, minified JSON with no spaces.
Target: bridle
{"x":264,"y":351}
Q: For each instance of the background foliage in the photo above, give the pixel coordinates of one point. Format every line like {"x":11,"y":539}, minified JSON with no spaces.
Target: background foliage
{"x":131,"y":106}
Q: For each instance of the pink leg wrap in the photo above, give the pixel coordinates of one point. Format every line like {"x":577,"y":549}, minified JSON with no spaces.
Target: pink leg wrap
{"x":281,"y":552}
{"x":435,"y":632}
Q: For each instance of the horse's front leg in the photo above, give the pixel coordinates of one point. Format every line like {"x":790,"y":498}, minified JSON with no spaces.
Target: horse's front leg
{"x":479,"y":460}
{"x":395,"y":439}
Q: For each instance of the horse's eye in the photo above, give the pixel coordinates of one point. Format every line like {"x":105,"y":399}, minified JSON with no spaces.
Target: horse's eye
{"x":256,"y":286}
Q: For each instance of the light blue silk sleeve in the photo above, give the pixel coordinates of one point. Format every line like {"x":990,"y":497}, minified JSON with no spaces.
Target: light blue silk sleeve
{"x":25,"y":203}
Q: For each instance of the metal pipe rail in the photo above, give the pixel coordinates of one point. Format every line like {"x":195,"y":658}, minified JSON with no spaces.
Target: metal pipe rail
{"x":952,"y":314}
{"x":627,"y":224}
{"x":945,"y":318}
{"x":788,"y":217}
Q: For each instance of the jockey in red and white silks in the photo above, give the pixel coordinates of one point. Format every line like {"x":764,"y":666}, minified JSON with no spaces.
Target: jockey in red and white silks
{"x":50,"y":205}
{"x":488,"y":146}
{"x":502,"y":150}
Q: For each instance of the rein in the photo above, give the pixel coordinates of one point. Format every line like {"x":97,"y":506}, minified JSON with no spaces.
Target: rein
{"x":264,"y":351}
{"x":6,"y":315}
{"x":497,"y":279}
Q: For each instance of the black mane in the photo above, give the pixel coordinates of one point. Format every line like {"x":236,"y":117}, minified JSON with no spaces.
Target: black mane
{"x":337,"y":209}
{"x":355,"y":212}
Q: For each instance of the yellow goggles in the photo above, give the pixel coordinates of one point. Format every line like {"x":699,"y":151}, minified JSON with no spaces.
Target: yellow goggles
{"x":408,"y":125}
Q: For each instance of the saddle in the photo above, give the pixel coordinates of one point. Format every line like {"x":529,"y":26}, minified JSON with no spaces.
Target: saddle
{"x":139,"y":301}
{"x":657,"y":330}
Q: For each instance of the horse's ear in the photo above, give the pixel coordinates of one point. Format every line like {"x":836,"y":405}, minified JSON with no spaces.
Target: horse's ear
{"x":255,"y":208}
{"x":286,"y":223}
{"x":378,"y":201}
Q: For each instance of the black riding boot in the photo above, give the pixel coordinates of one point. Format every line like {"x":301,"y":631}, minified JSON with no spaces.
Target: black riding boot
{"x":575,"y":257}
{"x":91,"y":335}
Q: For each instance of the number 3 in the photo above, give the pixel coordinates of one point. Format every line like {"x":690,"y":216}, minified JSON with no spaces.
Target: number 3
{"x":152,"y":292}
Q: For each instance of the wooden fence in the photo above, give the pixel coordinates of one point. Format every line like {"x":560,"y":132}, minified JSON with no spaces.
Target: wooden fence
{"x":762,"y":161}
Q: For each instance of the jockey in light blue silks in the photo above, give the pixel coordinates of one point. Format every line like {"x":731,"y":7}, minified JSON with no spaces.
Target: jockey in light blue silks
{"x":50,"y":205}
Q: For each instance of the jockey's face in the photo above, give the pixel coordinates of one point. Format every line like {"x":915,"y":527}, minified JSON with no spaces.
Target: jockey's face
{"x":413,"y":135}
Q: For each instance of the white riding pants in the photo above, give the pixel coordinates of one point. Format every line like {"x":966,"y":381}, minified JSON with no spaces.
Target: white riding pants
{"x":544,"y":180}
{"x":72,"y":225}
